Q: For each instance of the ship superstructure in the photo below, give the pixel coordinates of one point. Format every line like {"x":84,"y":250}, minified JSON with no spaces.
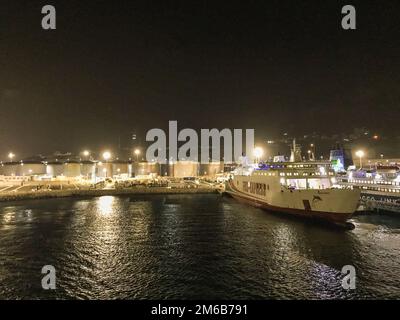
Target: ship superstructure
{"x":301,"y":188}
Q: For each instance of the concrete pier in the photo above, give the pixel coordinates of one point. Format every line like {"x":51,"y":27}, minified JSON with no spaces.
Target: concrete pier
{"x":16,"y":196}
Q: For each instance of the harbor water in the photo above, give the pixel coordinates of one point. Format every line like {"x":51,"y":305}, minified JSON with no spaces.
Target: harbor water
{"x":189,"y":247}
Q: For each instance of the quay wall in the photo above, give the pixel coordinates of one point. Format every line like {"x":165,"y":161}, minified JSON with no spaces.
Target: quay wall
{"x":16,"y":196}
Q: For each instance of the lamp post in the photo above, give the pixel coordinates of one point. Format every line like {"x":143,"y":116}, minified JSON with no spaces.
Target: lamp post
{"x":313,"y":150}
{"x":137,"y":153}
{"x":258,"y":152}
{"x":360,"y":154}
{"x":11,"y":156}
{"x":106,"y":157}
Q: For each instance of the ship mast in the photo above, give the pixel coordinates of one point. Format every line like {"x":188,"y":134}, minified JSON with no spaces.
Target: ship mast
{"x":295,"y":154}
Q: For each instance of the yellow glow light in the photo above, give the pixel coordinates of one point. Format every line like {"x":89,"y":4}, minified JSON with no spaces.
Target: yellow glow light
{"x":360,"y":153}
{"x":258,"y":152}
{"x":106,"y":155}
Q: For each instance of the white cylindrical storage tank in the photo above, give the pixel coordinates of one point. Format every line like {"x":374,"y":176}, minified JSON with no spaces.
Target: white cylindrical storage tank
{"x":120,"y":168}
{"x":54,"y":169}
{"x":183,"y":169}
{"x":104,"y":170}
{"x":211,"y":169}
{"x":72,"y":169}
{"x":88,"y":169}
{"x":11,"y":168}
{"x":32,"y":169}
{"x":146,"y":168}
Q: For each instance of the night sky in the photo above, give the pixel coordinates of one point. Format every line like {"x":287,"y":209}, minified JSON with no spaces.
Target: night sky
{"x":117,"y":67}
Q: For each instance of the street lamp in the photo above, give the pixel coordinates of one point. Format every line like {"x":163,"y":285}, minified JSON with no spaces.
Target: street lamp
{"x":137,"y":153}
{"x":360,"y":154}
{"x":106,"y":155}
{"x":11,"y":156}
{"x":258,"y":152}
{"x":86,"y":153}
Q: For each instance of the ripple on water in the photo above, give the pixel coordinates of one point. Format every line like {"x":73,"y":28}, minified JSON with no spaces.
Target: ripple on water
{"x":192,"y":247}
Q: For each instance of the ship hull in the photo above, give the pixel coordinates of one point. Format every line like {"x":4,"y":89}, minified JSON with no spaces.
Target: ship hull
{"x":380,"y":201}
{"x":338,"y":218}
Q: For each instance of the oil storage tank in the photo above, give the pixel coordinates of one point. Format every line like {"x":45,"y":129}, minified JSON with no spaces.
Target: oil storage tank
{"x":183,"y":169}
{"x":121,"y":168}
{"x":211,"y":169}
{"x":32,"y":168}
{"x":55,"y":169}
{"x":146,"y":168}
{"x":88,"y":169}
{"x":10,"y":168}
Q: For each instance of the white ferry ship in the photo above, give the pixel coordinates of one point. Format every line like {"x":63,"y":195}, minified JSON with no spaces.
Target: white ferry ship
{"x":379,"y":186}
{"x":301,"y":188}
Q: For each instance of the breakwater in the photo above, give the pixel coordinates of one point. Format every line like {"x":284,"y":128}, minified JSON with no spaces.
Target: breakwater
{"x":15,"y":196}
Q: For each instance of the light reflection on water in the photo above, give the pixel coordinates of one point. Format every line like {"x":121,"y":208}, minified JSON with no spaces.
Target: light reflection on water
{"x":193,"y":247}
{"x":105,"y":205}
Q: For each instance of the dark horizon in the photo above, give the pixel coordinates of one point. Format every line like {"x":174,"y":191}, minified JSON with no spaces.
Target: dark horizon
{"x":110,"y":70}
